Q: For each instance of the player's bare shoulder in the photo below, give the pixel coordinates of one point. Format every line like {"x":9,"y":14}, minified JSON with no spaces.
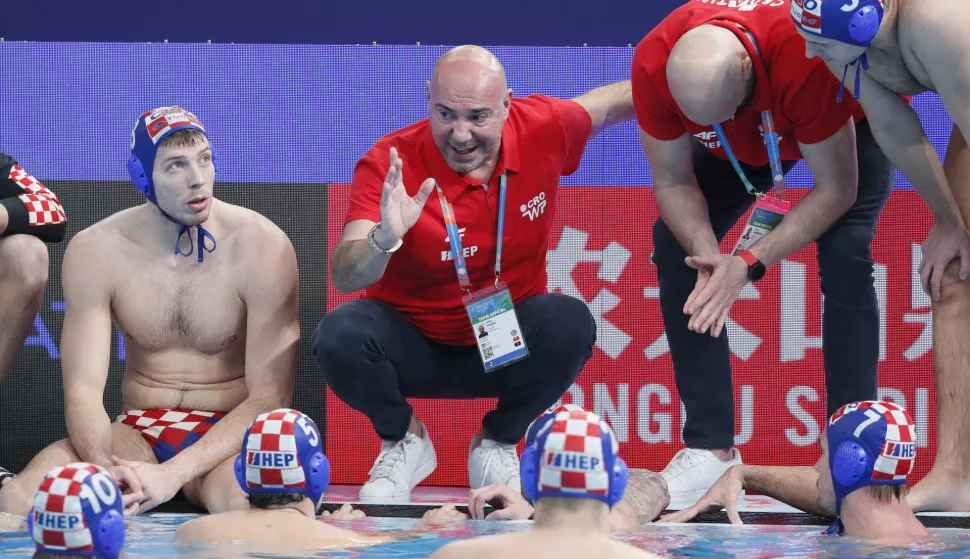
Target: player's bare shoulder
{"x":102,"y":241}
{"x":258,"y":246}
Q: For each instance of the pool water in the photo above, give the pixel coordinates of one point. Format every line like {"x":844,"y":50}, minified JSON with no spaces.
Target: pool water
{"x":152,"y":536}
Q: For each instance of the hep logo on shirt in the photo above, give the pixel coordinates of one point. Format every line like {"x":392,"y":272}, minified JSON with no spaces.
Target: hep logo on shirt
{"x":468,"y":252}
{"x":535,"y":207}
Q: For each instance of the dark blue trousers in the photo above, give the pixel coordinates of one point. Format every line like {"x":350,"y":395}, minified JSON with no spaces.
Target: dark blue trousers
{"x":850,"y":323}
{"x":373,"y":358}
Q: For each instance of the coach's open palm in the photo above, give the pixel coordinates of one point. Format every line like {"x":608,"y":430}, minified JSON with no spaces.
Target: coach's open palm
{"x":399,"y":211}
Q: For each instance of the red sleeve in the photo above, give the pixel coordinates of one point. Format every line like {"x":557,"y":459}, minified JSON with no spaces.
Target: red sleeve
{"x":364,"y":201}
{"x":576,"y":125}
{"x":655,"y":113}
{"x":809,"y":92}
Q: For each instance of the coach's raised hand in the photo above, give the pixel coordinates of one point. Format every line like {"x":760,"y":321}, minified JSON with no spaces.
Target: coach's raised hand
{"x":399,"y":211}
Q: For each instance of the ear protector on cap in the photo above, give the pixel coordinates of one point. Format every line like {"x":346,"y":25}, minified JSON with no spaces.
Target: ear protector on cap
{"x":871,"y":443}
{"x":614,"y":467}
{"x":282,"y":453}
{"x":86,"y":520}
{"x":864,"y":24}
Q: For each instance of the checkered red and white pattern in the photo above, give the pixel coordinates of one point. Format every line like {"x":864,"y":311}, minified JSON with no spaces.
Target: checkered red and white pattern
{"x":43,"y":207}
{"x":808,"y":15}
{"x":274,"y":432}
{"x":60,"y":494}
{"x":172,"y":427}
{"x":160,"y":121}
{"x":891,"y":464}
{"x":576,"y":433}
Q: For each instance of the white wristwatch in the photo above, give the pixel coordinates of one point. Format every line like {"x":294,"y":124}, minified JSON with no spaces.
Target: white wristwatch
{"x":377,"y":247}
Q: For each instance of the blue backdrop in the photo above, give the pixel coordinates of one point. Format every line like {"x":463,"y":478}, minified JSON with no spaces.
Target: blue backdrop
{"x":387,"y":22}
{"x":286,"y":113}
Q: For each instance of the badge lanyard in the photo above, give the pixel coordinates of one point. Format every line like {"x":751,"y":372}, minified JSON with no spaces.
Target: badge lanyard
{"x":454,"y":238}
{"x":771,"y":143}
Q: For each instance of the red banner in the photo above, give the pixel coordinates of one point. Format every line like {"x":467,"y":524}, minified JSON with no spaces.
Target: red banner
{"x":599,"y":251}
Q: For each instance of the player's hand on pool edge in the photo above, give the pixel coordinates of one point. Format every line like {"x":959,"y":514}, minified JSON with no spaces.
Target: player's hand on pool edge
{"x":399,"y":211}
{"x":345,"y":512}
{"x":724,"y":494}
{"x":509,"y":504}
{"x":445,"y":515}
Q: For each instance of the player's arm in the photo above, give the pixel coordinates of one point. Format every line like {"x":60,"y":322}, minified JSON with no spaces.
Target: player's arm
{"x":835,"y":167}
{"x":946,"y":59}
{"x":271,"y":295}
{"x":796,"y":486}
{"x":646,"y":496}
{"x":17,"y":204}
{"x":86,"y":349}
{"x":899,"y":133}
{"x":679,"y":199}
{"x":608,"y":105}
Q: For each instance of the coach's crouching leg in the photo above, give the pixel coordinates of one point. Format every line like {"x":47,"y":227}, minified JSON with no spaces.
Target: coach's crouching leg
{"x":560,"y":333}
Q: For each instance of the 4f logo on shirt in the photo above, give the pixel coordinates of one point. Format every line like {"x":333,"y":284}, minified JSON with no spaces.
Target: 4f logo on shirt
{"x":535,"y":207}
{"x":761,"y":130}
{"x":709,"y":139}
{"x":467,"y":251}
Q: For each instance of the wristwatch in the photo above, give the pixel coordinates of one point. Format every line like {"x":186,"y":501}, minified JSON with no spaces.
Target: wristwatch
{"x":756,"y":270}
{"x":377,"y":247}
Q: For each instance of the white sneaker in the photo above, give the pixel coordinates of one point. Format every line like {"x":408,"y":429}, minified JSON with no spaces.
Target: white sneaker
{"x":692,"y":471}
{"x":399,"y":467}
{"x":493,"y":462}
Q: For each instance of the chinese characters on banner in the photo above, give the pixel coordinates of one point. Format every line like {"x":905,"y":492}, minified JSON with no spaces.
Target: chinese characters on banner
{"x":599,"y":251}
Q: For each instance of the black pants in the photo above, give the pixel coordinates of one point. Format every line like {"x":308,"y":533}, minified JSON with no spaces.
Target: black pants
{"x":373,"y":358}
{"x":850,"y":323}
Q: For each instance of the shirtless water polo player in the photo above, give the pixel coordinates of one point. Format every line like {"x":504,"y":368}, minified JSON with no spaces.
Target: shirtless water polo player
{"x":210,"y":321}
{"x":881,"y":49}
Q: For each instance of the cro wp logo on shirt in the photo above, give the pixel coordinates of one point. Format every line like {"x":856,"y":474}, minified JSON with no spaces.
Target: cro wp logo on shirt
{"x":535,"y":207}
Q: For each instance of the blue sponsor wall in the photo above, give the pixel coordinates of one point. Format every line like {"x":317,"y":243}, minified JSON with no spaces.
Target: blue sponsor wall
{"x":285,"y":113}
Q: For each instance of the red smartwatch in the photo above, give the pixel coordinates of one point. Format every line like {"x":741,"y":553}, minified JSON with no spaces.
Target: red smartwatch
{"x":756,"y":270}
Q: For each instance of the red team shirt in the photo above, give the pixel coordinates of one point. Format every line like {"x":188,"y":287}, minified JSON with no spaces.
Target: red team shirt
{"x":800,"y":93}
{"x":543,"y":139}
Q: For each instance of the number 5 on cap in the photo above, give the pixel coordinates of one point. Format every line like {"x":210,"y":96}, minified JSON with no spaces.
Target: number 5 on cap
{"x":309,"y":430}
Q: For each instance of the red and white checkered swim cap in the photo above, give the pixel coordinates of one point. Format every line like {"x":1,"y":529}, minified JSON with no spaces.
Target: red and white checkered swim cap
{"x":282,"y":452}
{"x":574,"y":455}
{"x":78,"y":511}
{"x":870,"y":443}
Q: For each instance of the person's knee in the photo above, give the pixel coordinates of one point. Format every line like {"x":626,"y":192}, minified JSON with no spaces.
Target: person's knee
{"x":340,"y":337}
{"x":570,"y":328}
{"x":25,"y":265}
{"x":953,"y":290}
{"x":668,"y":255}
{"x":845,"y":259}
{"x":15,"y":496}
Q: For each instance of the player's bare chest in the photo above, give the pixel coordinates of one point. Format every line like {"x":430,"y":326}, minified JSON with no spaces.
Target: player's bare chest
{"x":164,"y":307}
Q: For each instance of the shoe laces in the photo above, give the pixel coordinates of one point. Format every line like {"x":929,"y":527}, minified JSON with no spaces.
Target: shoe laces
{"x":508,"y":461}
{"x":391,"y":458}
{"x":686,"y":459}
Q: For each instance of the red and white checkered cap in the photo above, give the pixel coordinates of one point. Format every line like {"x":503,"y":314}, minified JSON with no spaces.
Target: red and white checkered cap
{"x":572,"y":460}
{"x":274,"y":435}
{"x":897,"y":446}
{"x":67,"y":503}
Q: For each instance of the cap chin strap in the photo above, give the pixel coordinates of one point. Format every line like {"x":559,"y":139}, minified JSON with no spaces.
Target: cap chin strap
{"x":201,"y":236}
{"x":864,"y":63}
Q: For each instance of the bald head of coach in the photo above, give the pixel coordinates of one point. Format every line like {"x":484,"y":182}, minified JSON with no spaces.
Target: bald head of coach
{"x":427,"y":205}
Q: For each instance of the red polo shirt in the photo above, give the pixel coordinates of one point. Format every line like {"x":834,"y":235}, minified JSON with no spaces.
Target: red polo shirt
{"x":801,"y":93}
{"x":543,"y":139}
